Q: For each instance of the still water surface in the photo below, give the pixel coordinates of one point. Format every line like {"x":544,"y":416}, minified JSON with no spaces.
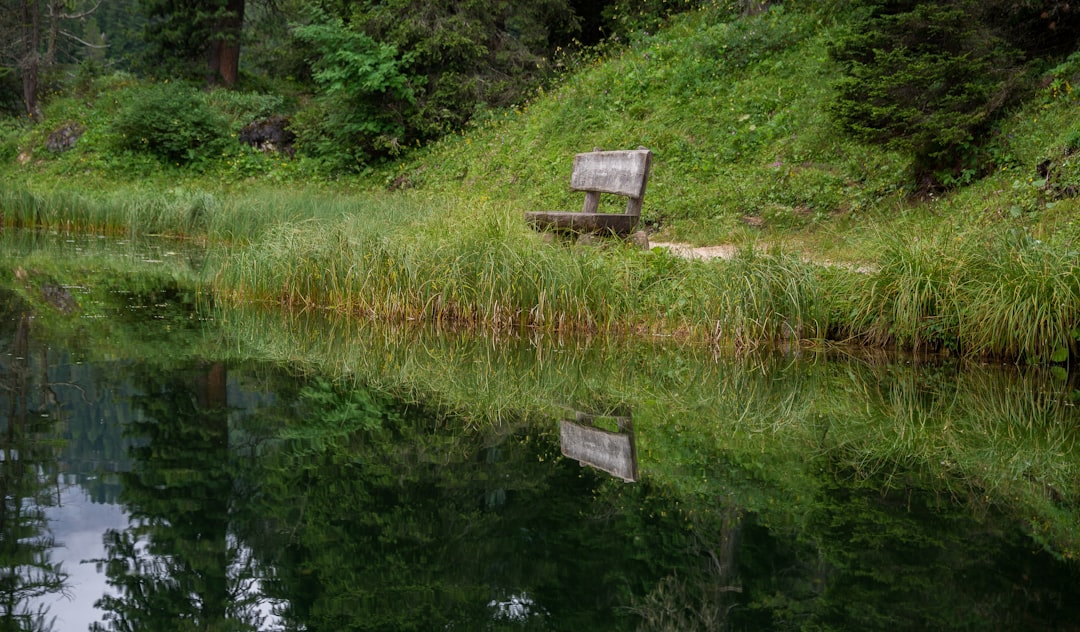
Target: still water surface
{"x":169,"y":465}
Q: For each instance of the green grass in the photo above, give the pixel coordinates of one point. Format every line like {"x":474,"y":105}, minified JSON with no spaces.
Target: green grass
{"x":737,"y":128}
{"x":492,"y":272}
{"x":237,"y":215}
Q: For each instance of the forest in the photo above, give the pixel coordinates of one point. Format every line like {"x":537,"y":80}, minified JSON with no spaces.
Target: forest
{"x":350,"y":82}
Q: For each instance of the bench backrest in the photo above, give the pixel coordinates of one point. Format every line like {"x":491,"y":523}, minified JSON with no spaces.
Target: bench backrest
{"x":619,"y":172}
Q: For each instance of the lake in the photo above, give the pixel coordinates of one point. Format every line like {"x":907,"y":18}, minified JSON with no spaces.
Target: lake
{"x":169,"y":463}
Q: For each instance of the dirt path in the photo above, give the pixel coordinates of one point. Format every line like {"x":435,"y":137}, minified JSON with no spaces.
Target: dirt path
{"x":725,"y":251}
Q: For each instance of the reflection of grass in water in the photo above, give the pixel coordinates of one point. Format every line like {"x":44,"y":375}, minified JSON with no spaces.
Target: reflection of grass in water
{"x":990,"y":436}
{"x":987,"y":436}
{"x":107,"y":299}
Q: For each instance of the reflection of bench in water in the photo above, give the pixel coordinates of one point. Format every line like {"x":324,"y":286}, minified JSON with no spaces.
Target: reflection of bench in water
{"x":611,"y":452}
{"x":618,"y":172}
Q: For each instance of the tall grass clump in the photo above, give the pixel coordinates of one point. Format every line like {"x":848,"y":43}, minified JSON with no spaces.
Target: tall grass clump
{"x":177,"y":211}
{"x":1026,"y":302}
{"x":768,"y":297}
{"x":61,"y":209}
{"x":491,"y":273}
{"x":913,"y":298}
{"x":232,"y":215}
{"x":496,"y":271}
{"x":246,"y":215}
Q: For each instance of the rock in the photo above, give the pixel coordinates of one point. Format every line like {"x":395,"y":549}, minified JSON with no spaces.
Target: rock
{"x":269,"y":134}
{"x":64,"y":138}
{"x":59,"y":297}
{"x":640,"y":239}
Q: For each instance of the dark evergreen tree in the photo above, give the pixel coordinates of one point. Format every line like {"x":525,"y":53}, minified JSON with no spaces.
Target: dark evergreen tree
{"x":192,"y":39}
{"x":926,"y":78}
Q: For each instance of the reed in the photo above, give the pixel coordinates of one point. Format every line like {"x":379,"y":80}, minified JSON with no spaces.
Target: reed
{"x":768,"y":297}
{"x":911,"y":299}
{"x":976,"y":292}
{"x":1025,"y":301}
{"x":192,"y":210}
{"x":451,"y":259}
{"x":486,"y":270}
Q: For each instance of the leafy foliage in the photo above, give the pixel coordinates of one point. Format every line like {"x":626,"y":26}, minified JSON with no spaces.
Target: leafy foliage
{"x":169,"y":121}
{"x":387,"y":82}
{"x":358,"y":78}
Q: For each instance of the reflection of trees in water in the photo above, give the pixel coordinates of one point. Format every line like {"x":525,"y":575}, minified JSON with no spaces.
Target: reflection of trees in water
{"x":178,"y":566}
{"x":27,"y":455}
{"x":409,"y":522}
{"x":881,"y":555}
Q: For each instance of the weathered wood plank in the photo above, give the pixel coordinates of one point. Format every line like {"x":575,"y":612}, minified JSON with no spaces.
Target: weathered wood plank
{"x":617,"y":223}
{"x":611,"y":452}
{"x":618,"y":172}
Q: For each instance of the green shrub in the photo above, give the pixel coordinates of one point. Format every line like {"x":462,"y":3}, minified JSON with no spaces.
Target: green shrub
{"x":926,"y":78}
{"x":358,"y":77}
{"x":630,"y":17}
{"x":169,"y":121}
{"x":10,"y":131}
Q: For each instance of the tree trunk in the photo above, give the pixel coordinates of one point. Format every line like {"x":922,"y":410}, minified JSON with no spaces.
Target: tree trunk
{"x":224,"y":62}
{"x":55,"y":10}
{"x":754,"y":7}
{"x":31,"y":36}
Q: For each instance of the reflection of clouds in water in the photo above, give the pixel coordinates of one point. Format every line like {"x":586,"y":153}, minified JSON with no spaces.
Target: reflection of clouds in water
{"x":252,"y":605}
{"x":516,"y":608}
{"x":78,"y":524}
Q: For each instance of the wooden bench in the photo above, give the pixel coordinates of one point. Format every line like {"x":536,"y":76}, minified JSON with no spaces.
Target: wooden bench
{"x":611,"y":452}
{"x":619,"y":172}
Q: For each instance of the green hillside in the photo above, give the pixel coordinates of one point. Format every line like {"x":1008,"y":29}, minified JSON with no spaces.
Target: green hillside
{"x":736,"y":115}
{"x":734,"y":108}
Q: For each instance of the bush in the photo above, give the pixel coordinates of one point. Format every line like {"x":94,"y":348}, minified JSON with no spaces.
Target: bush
{"x":245,"y":107}
{"x":358,"y":77}
{"x":10,"y":131}
{"x":171,"y":122}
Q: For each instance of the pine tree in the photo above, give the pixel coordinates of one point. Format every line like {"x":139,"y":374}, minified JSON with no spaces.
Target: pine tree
{"x":926,"y":78}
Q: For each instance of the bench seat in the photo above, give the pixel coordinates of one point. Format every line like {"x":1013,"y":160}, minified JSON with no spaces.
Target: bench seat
{"x":623,"y":173}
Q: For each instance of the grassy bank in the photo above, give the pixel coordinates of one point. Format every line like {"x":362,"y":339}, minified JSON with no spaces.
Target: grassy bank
{"x":491,"y":272}
{"x":980,"y":294}
{"x":735,"y":113}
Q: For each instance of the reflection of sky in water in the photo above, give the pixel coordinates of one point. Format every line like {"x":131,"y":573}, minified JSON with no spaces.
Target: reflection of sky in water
{"x":78,"y":525}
